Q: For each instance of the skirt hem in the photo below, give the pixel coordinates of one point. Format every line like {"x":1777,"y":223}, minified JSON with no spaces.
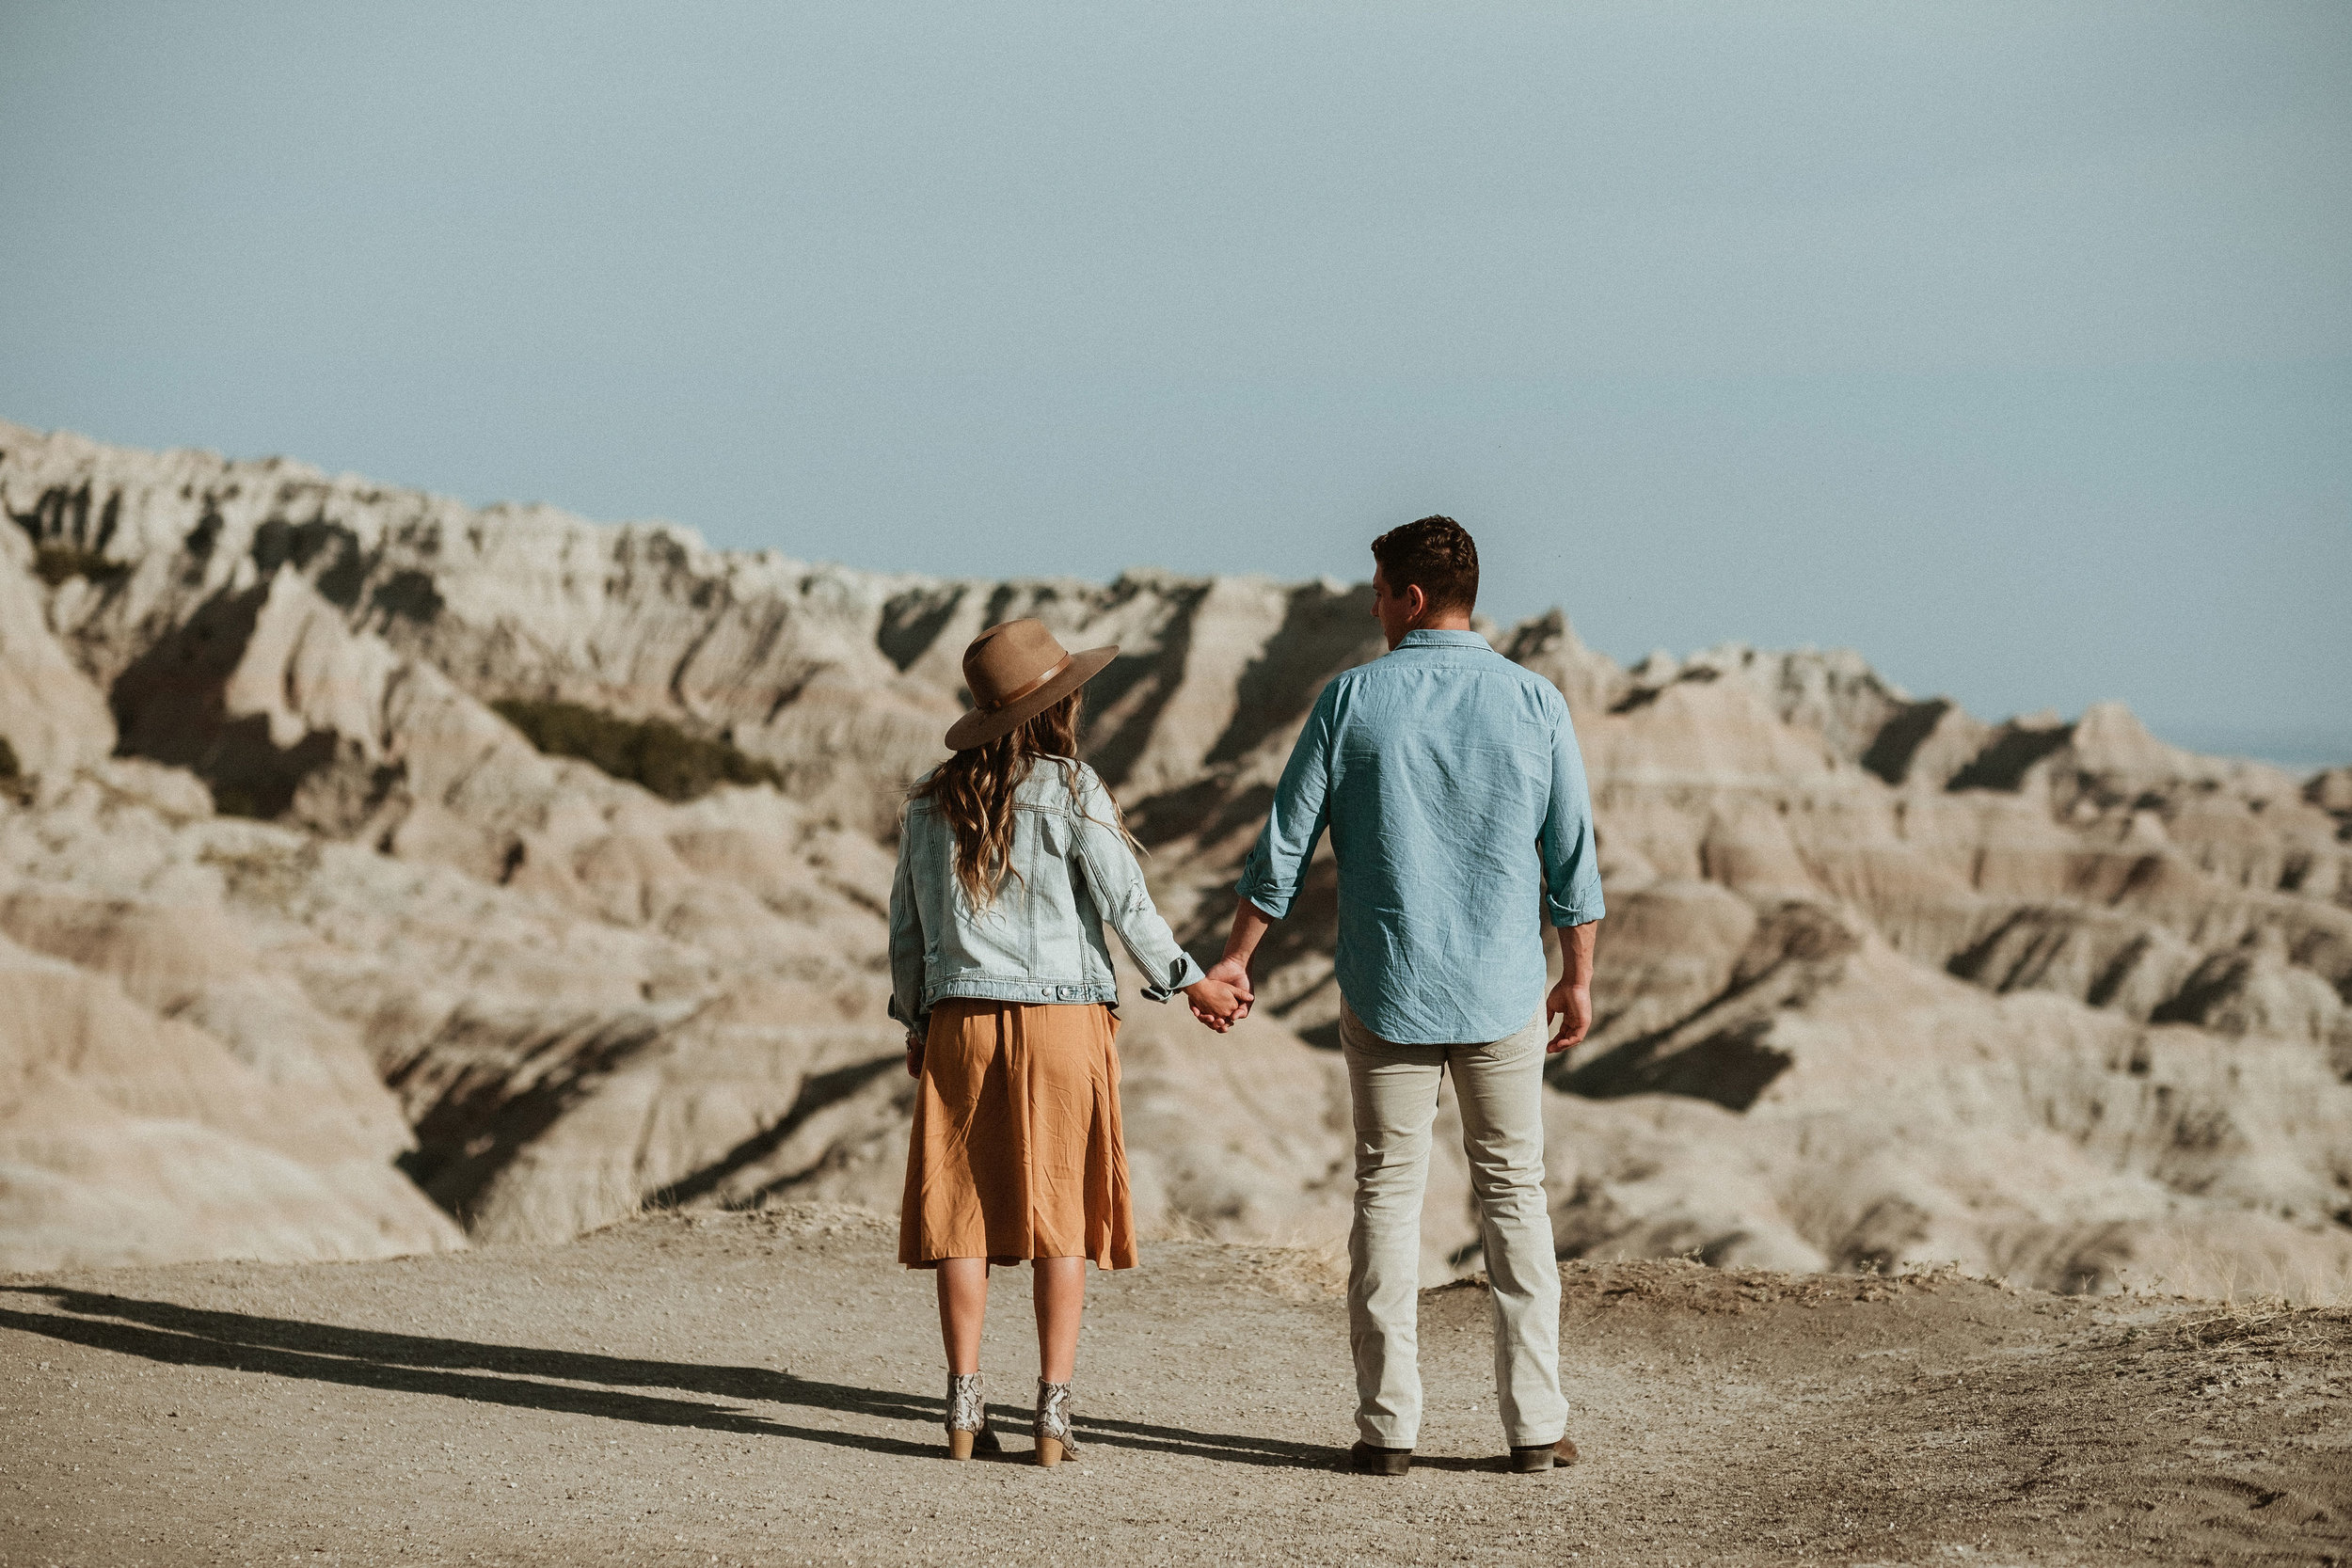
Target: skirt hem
{"x":1016,"y":1139}
{"x":1107,"y":1264}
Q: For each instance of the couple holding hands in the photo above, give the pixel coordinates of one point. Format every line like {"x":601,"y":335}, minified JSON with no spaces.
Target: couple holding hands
{"x":1450,"y":782}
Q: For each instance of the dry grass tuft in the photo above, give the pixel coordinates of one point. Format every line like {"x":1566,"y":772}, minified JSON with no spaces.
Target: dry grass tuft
{"x":2187,"y":1266}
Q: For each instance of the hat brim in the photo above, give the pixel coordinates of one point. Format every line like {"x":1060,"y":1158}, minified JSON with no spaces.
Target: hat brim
{"x":978,"y":728}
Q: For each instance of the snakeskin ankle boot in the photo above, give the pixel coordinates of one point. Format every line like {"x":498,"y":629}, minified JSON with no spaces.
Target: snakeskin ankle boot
{"x":967,"y":1417}
{"x":1057,"y":1440}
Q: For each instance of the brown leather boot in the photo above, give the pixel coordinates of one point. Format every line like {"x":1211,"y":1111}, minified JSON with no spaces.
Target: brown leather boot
{"x":1370,"y":1459}
{"x":1542,"y":1456}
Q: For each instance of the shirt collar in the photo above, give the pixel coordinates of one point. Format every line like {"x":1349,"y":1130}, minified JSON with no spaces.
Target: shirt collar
{"x":1444,"y":639}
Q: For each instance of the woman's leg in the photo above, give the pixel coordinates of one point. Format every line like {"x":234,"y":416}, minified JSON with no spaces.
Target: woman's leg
{"x":962,"y":1308}
{"x":1061,"y":1294}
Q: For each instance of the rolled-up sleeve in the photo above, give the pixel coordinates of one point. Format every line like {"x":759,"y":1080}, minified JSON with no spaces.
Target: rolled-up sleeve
{"x":1571,"y":861}
{"x":1301,"y":811}
{"x":906,"y":941}
{"x":1121,"y":894}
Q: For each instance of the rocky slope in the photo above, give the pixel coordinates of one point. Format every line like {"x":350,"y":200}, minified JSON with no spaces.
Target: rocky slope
{"x":1881,"y":984}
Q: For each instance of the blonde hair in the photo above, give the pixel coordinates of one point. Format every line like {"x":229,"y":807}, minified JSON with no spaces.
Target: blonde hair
{"x":973,"y":790}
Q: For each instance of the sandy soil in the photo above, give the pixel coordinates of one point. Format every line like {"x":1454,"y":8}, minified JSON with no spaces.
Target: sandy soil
{"x":764,"y":1389}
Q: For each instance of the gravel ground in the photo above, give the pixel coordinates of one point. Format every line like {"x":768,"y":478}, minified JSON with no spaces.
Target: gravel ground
{"x":765,"y":1388}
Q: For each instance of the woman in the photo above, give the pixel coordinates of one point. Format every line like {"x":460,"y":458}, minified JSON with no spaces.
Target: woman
{"x":1012,"y":858}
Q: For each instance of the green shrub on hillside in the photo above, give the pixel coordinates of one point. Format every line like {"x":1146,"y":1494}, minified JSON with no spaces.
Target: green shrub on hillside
{"x":660,"y":756}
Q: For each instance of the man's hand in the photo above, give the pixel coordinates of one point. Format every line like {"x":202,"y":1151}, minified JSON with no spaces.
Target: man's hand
{"x":1214,"y":1002}
{"x":1571,"y":1000}
{"x":1222,"y":998}
{"x":1234,"y":973}
{"x":1573,"y":1006}
{"x":914,"y":1054}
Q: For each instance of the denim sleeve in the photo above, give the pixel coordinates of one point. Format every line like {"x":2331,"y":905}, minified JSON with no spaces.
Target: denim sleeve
{"x":906,"y":940}
{"x":1301,"y":810}
{"x":1116,"y":882}
{"x":1571,"y":863}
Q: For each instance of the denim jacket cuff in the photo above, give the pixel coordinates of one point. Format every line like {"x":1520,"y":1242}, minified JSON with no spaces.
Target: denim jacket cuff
{"x":1181,"y":972}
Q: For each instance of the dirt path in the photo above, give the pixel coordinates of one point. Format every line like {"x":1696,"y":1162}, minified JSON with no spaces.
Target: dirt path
{"x":763,"y":1389}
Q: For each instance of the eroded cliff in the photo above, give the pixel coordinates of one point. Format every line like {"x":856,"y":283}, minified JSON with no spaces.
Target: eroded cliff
{"x":1881,"y":982}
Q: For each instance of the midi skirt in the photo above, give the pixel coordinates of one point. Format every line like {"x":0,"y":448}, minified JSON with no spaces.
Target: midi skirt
{"x":1016,"y":1151}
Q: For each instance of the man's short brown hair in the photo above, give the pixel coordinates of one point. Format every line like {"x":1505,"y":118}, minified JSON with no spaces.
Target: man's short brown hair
{"x":1435,"y":555}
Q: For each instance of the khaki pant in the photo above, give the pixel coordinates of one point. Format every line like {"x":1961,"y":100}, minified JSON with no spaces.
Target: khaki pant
{"x":1499,"y":1088}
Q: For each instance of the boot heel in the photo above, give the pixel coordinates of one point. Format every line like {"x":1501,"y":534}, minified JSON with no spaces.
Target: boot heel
{"x":967,"y":1417}
{"x":1368,"y":1459}
{"x":1056,"y":1439}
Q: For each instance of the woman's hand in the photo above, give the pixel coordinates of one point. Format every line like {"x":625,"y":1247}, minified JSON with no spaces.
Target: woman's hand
{"x":1215,"y":1004}
{"x":914,"y":1054}
{"x":1234,"y":972}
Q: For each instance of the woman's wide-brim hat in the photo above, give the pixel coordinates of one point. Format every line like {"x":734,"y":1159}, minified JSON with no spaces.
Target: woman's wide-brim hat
{"x":1015,"y":672}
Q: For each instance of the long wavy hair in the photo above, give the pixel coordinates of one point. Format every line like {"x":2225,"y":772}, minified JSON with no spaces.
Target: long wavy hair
{"x":973,"y":790}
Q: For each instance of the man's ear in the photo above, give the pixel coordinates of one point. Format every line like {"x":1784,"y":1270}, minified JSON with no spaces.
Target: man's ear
{"x":1416,"y":602}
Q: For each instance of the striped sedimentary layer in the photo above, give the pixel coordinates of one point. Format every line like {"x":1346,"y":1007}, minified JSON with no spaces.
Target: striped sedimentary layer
{"x":328,"y":960}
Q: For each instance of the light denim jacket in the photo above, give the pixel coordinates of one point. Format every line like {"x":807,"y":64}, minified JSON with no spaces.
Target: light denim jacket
{"x":1041,"y":940}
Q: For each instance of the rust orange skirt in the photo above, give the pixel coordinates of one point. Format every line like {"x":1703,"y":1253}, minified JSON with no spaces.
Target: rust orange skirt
{"x":1016,"y":1151}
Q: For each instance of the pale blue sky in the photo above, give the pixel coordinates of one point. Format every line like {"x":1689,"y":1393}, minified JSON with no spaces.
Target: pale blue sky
{"x":2011,"y":344}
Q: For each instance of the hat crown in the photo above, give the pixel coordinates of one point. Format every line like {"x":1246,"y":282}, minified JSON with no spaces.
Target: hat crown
{"x":1008,"y":660}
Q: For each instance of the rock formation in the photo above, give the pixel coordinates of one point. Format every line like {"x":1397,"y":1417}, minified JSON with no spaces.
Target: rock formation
{"x":1882,"y":983}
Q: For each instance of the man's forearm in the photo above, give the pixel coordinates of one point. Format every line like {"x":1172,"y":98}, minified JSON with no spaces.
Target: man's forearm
{"x":1250,"y":925}
{"x":1572,"y":998}
{"x":1576,"y":953}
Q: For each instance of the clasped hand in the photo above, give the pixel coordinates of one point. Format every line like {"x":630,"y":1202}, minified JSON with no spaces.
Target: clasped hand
{"x":1221,"y":998}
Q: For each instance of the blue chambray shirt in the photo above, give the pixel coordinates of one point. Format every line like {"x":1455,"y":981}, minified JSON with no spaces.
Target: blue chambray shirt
{"x":1460,"y":818}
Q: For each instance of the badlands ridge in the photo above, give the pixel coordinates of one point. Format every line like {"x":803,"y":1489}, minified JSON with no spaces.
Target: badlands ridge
{"x":311,"y":954}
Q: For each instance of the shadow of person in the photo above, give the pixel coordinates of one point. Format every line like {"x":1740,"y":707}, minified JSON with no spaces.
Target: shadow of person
{"x":531,"y":1378}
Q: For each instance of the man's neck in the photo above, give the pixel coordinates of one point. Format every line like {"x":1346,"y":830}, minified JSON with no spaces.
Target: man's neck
{"x":1447,"y":619}
{"x":1453,"y":620}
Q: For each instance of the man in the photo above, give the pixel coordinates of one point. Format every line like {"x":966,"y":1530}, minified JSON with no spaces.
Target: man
{"x":1459,"y":816}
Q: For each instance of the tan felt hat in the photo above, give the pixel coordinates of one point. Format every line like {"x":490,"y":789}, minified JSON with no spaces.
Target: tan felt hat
{"x":1015,"y":672}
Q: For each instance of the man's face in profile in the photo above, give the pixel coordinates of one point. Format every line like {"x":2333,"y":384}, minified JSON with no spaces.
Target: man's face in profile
{"x":1395,"y":611}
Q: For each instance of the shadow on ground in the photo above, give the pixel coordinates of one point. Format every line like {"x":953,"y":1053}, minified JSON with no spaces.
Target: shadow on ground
{"x":545,"y":1379}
